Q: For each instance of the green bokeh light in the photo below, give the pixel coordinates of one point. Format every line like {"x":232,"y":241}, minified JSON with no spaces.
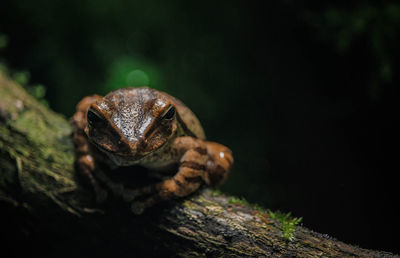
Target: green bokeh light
{"x":132,"y":72}
{"x":137,"y":78}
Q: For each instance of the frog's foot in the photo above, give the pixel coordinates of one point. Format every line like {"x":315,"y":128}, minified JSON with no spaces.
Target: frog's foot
{"x":138,"y":207}
{"x":130,"y":194}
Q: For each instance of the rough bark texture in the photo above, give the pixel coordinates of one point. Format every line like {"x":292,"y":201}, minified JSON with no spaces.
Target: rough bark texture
{"x":47,"y":212}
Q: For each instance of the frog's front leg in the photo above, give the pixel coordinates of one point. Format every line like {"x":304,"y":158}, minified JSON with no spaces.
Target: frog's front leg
{"x":199,"y":163}
{"x":84,"y":152}
{"x":84,"y":157}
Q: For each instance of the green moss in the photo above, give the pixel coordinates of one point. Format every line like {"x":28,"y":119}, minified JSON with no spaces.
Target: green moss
{"x":38,"y":91}
{"x":21,"y":77}
{"x":241,"y":200}
{"x":288,"y":223}
{"x":216,"y":192}
{"x":259,"y":208}
{"x":237,"y":200}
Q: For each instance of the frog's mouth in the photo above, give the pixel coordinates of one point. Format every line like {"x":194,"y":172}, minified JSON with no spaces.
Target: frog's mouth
{"x":128,"y":159}
{"x":121,"y":160}
{"x":117,"y":156}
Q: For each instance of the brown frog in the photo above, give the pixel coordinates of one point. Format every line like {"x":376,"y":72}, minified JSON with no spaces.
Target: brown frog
{"x":149,"y":128}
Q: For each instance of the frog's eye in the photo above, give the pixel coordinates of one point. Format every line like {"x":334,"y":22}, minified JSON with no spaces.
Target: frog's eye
{"x":93,"y":118}
{"x":169,"y":114}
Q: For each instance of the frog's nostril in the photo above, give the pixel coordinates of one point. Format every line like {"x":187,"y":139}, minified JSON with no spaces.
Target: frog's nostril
{"x":140,"y":144}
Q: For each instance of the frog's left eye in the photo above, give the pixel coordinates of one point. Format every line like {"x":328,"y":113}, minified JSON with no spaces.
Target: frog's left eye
{"x":170,"y":113}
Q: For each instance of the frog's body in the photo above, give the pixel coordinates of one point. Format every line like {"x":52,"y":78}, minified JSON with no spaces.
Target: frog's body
{"x":146,"y":127}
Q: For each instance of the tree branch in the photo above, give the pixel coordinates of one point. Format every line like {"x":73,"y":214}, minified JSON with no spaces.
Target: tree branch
{"x":51,"y":214}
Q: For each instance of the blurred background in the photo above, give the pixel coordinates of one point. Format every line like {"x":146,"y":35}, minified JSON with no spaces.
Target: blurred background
{"x":304,"y":93}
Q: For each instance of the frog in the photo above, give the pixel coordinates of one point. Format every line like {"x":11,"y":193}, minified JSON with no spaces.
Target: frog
{"x":145,"y":127}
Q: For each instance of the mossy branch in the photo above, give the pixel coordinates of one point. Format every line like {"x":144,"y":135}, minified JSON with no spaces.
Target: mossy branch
{"x":49,"y":213}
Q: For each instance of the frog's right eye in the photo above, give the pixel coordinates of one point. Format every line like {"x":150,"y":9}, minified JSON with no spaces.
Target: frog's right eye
{"x":93,"y":118}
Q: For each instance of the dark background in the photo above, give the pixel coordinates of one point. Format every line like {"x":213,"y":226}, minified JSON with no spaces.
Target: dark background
{"x":305,"y":94}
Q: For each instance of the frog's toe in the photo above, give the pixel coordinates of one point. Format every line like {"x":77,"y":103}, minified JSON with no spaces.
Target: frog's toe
{"x":137,"y":208}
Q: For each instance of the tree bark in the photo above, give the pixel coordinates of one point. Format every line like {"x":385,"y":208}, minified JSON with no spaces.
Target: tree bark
{"x":48,"y":212}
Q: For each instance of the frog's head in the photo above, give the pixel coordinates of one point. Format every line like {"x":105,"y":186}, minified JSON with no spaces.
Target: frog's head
{"x":130,"y":123}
